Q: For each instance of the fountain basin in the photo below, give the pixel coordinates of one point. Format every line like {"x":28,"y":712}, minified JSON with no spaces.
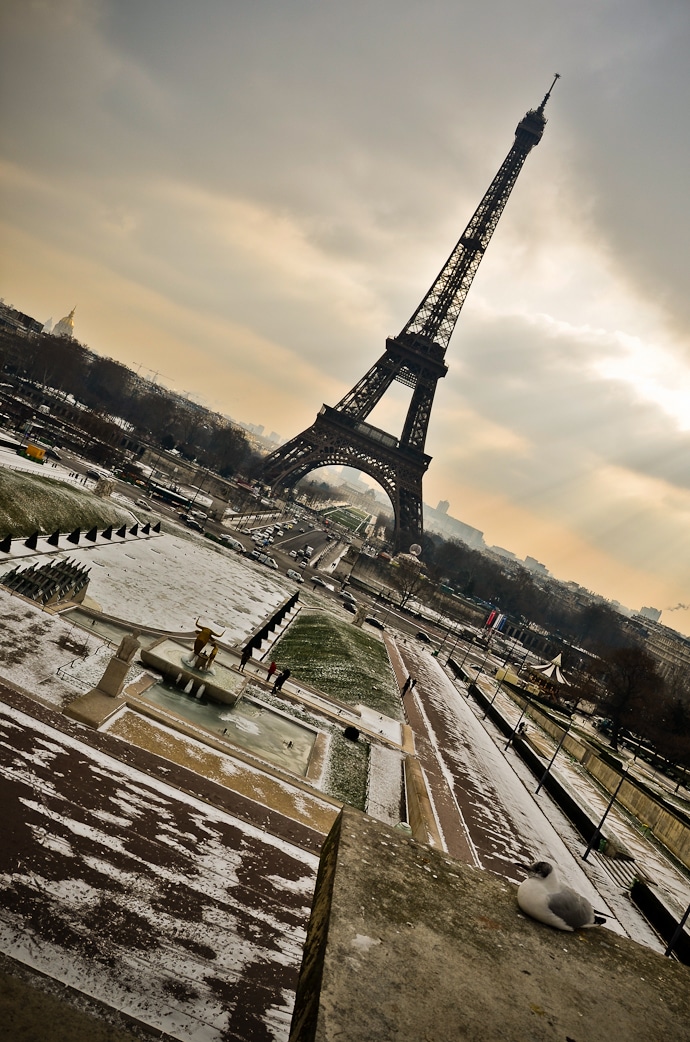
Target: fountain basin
{"x":172,"y":659}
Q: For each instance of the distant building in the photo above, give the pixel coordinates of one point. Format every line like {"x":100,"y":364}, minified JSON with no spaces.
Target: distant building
{"x":500,"y":551}
{"x":440,"y":521}
{"x":17,"y":322}
{"x":670,"y":649}
{"x":536,"y":566}
{"x":65,"y":327}
{"x":650,"y":613}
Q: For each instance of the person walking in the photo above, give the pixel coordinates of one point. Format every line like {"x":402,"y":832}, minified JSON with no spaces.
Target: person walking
{"x":271,"y":670}
{"x":280,"y":680}
{"x":246,"y":655}
{"x":406,"y":686}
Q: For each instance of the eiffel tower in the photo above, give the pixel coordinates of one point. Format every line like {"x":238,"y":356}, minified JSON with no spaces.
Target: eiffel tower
{"x":340,"y":435}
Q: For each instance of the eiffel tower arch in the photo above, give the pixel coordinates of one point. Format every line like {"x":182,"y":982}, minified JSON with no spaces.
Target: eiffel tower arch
{"x":341,"y":436}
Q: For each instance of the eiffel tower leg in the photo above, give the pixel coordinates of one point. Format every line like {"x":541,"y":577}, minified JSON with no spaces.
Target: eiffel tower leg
{"x":333,"y":441}
{"x":409,"y":518}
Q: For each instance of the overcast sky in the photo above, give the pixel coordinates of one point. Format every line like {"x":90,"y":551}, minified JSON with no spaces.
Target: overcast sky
{"x":247,"y":198}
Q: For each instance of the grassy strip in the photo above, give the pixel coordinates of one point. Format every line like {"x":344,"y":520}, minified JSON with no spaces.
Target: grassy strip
{"x":347,"y":763}
{"x":31,"y":502}
{"x":347,"y":517}
{"x":341,"y":660}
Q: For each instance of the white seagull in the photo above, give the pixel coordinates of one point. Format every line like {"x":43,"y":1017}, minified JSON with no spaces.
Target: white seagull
{"x":542,"y":896}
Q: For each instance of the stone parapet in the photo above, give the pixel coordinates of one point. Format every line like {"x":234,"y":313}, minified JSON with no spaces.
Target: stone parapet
{"x":405,"y":943}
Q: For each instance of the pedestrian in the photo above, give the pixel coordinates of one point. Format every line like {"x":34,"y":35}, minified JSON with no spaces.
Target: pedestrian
{"x":246,"y":655}
{"x":280,"y":680}
{"x":271,"y":670}
{"x":412,"y":686}
{"x":406,"y":686}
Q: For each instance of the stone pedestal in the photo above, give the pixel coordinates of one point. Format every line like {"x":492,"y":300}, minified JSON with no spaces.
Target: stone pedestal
{"x":112,"y":681}
{"x":94,"y":708}
{"x":404,"y":943}
{"x":101,"y":702}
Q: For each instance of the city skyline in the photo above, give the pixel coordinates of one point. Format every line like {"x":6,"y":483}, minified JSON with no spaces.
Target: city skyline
{"x":250,"y":201}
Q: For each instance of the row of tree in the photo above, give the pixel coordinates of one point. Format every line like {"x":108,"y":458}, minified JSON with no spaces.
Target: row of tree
{"x":648,"y":711}
{"x":112,"y":392}
{"x":619,"y":677}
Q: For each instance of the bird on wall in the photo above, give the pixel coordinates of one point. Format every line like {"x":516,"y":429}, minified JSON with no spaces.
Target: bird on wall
{"x":544,"y":897}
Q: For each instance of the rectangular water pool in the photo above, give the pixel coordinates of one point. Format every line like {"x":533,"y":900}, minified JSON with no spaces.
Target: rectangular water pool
{"x":255,"y":727}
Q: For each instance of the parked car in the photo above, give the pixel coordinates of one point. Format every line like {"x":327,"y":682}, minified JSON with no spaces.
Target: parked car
{"x":318,"y":581}
{"x":293,"y":553}
{"x":143,"y":504}
{"x":376,"y":623}
{"x":347,"y":596}
{"x":424,"y":637}
{"x":292,"y":574}
{"x":350,"y":606}
{"x":262,"y":558}
{"x":191,"y":522}
{"x":232,"y":544}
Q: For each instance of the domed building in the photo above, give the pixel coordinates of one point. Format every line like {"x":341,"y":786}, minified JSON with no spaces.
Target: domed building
{"x":65,"y":327}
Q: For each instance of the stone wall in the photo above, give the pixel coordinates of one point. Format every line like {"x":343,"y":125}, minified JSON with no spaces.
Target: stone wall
{"x":405,"y":943}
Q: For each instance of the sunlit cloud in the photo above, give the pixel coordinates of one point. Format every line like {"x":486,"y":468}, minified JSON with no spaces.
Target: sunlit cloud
{"x":247,"y":199}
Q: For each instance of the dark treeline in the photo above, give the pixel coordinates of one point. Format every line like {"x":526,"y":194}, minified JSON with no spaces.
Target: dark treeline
{"x":516,"y":592}
{"x":111,"y":390}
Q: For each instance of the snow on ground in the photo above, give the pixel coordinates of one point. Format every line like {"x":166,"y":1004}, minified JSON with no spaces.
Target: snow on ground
{"x":169,"y":582}
{"x":150,"y":900}
{"x":35,"y":645}
{"x":503,"y":804}
{"x":657,"y":866}
{"x":540,"y":821}
{"x":385,"y":774}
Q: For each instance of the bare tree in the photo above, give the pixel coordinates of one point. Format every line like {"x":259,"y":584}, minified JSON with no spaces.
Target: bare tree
{"x":631,"y":687}
{"x":407,"y":576}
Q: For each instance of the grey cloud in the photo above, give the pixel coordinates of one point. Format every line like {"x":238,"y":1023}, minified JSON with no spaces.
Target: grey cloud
{"x":142,"y":133}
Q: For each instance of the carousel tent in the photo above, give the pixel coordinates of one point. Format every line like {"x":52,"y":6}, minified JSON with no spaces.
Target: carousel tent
{"x":550,"y":673}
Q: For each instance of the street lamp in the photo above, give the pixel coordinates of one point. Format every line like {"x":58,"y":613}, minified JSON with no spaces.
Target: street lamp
{"x":528,"y":702}
{"x":553,"y":758}
{"x":596,"y":835}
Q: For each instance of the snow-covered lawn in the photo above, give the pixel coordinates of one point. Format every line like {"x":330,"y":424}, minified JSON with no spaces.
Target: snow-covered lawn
{"x":46,"y":499}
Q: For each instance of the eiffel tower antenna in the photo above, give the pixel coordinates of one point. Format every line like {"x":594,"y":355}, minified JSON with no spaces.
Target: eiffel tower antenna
{"x":340,"y":435}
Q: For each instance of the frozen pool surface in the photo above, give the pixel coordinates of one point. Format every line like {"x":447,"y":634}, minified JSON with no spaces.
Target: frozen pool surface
{"x":249,"y":724}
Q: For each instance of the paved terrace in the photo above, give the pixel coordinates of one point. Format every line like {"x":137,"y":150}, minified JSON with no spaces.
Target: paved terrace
{"x":486,"y":810}
{"x":176,"y":891}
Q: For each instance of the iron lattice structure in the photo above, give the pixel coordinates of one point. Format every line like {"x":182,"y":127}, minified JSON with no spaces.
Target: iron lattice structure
{"x":340,"y":435}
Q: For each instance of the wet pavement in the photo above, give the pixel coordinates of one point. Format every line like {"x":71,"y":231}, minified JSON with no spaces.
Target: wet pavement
{"x":148,"y":888}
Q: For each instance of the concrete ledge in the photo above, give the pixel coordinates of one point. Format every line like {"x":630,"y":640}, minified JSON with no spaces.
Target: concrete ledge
{"x":404,"y":943}
{"x":94,"y":708}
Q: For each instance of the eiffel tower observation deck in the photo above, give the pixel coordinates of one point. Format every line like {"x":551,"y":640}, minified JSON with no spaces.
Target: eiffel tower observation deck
{"x":341,"y":435}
